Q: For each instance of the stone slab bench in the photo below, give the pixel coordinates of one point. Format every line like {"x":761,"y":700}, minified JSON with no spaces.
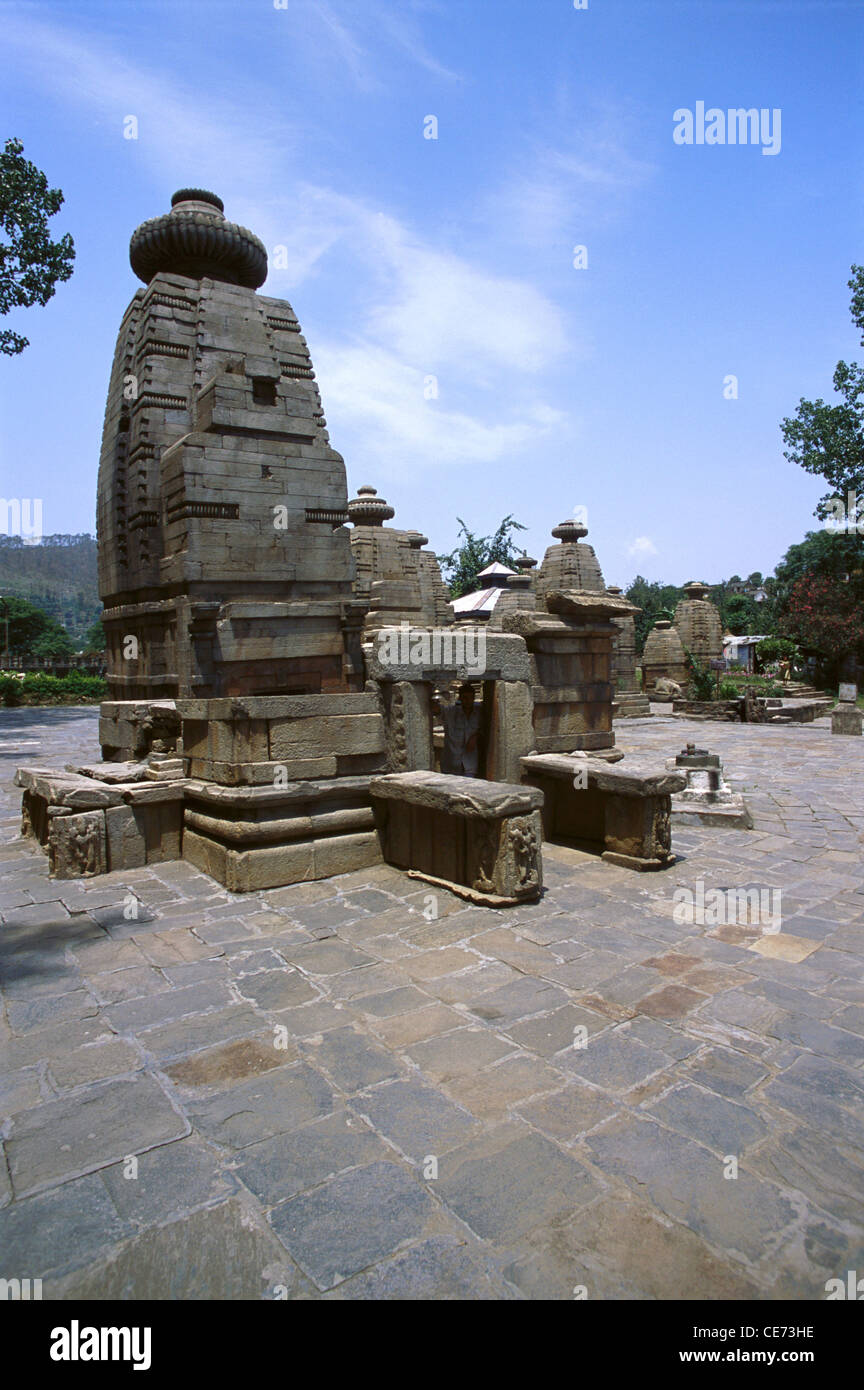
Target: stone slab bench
{"x":480,"y":839}
{"x":619,"y":810}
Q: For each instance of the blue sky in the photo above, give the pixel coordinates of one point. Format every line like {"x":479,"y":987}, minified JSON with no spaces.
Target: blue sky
{"x":558,"y":388}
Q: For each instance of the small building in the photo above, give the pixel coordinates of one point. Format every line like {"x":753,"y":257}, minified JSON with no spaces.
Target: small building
{"x":740,"y":651}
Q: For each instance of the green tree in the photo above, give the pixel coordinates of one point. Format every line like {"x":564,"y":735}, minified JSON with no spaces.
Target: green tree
{"x":53,"y":645}
{"x":462,"y":566}
{"x":31,"y":263}
{"x":772,"y":649}
{"x":833,"y":555}
{"x":828,"y":440}
{"x":656,"y":600}
{"x":94,"y":640}
{"x":739,"y":614}
{"x":28,"y":626}
{"x":819,"y":588}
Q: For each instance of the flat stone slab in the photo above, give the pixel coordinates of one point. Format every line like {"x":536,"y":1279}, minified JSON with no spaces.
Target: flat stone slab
{"x":67,"y":789}
{"x":111,"y":772}
{"x":630,"y":778}
{"x":352,"y":1221}
{"x":219,"y":1253}
{"x":732,"y":814}
{"x":506,"y":657}
{"x":457,"y":796}
{"x":90,"y":1129}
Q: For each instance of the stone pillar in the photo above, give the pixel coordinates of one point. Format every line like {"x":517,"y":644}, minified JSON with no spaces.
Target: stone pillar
{"x":511,"y":732}
{"x":638,"y":832}
{"x":408,"y":711}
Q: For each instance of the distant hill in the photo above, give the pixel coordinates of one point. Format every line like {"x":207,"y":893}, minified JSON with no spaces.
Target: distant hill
{"x":58,"y":575}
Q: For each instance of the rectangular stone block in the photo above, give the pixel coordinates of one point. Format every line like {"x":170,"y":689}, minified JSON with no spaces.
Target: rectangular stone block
{"x":127,"y":840}
{"x":353,"y":733}
{"x":847,"y":719}
{"x":77,"y":845}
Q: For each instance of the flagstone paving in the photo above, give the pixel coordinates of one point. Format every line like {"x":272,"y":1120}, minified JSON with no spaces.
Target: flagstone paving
{"x":363,"y":1089}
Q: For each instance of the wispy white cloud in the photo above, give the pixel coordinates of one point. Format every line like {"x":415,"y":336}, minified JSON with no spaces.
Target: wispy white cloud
{"x":557,"y":188}
{"x":642,"y":545}
{"x":396,"y":427}
{"x":364,"y":38}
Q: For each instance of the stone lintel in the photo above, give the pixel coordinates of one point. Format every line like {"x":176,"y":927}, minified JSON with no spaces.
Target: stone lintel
{"x":505,"y":654}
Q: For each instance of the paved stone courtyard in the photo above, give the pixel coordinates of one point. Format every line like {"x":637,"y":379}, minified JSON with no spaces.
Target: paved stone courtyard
{"x":143,"y":1014}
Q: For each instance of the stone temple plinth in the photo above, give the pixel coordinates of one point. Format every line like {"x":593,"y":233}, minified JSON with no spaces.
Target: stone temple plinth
{"x":224,"y":566}
{"x":698,"y":624}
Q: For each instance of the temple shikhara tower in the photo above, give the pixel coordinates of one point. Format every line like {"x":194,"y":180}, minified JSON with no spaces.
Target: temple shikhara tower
{"x":224,"y":566}
{"x":697,"y":622}
{"x":275,"y":696}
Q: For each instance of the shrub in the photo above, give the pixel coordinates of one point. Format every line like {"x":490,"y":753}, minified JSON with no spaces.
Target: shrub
{"x":10,"y":690}
{"x":40,"y":688}
{"x":701,"y":683}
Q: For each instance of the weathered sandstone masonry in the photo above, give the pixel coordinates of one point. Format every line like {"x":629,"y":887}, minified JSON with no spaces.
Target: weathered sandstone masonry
{"x":273,"y":672}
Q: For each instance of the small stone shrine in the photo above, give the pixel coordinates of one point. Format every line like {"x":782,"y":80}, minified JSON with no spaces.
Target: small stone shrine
{"x":697,"y":622}
{"x":663,"y":659}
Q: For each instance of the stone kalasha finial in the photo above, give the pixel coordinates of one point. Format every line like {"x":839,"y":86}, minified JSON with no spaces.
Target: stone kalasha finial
{"x":695,"y":588}
{"x":198,"y":195}
{"x":194,"y":239}
{"x":569,"y":531}
{"x":662,"y":625}
{"x":416,"y":539}
{"x":368,"y":509}
{"x":525,"y":563}
{"x":614,"y":589}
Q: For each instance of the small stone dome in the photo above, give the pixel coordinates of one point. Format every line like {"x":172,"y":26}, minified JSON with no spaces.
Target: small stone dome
{"x":194,"y":239}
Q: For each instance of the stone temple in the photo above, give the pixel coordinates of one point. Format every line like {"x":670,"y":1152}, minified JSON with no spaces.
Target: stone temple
{"x":274,"y":675}
{"x":697,"y":622}
{"x":224,"y":566}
